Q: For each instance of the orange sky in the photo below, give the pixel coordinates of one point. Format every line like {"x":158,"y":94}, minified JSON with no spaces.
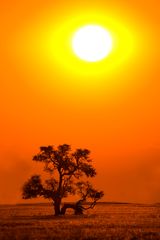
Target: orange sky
{"x":46,"y":99}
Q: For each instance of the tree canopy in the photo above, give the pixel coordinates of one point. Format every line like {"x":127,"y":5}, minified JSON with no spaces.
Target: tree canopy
{"x":68,"y":173}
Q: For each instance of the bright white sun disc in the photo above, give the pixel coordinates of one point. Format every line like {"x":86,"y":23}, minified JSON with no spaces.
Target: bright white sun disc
{"x":92,"y":43}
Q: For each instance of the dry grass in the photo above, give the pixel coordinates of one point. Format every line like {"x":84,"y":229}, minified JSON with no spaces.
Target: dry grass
{"x":106,"y":221}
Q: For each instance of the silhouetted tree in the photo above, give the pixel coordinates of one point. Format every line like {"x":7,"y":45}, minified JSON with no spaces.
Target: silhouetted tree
{"x":66,"y":169}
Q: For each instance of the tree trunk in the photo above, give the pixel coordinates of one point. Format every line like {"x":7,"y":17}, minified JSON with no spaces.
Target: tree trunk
{"x":57,"y":200}
{"x":57,"y":205}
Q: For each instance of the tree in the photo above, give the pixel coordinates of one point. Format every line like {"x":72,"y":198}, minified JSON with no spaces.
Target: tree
{"x":66,"y":169}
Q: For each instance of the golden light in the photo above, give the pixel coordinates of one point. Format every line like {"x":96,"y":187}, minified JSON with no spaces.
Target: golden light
{"x":92,"y":43}
{"x":87,"y":46}
{"x":63,"y":43}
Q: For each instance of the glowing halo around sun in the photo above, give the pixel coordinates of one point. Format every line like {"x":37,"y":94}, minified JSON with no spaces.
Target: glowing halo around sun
{"x":92,"y":43}
{"x":84,"y":45}
{"x":91,"y":46}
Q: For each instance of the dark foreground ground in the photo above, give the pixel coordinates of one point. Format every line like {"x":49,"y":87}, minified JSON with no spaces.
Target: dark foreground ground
{"x":106,"y":221}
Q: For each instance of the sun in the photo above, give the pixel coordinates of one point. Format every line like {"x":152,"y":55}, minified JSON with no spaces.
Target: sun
{"x":92,"y":43}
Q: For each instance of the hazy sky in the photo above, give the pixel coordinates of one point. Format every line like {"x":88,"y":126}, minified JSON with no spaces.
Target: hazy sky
{"x":48,"y":97}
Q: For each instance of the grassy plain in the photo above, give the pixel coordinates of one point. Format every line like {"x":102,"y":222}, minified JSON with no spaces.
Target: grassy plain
{"x":106,"y":221}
